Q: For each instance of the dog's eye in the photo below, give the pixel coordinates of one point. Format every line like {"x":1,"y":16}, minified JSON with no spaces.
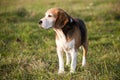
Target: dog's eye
{"x":49,"y":15}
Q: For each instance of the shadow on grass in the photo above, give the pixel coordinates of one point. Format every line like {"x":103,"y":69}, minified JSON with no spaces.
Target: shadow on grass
{"x":6,"y":69}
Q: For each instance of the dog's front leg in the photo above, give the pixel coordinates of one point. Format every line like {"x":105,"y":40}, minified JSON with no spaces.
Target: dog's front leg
{"x":73,"y":60}
{"x":61,"y":61}
{"x":67,"y":58}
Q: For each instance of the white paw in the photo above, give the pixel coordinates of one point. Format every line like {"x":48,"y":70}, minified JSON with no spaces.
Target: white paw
{"x":61,"y":72}
{"x":72,"y":71}
{"x":67,"y":64}
{"x":83,"y":64}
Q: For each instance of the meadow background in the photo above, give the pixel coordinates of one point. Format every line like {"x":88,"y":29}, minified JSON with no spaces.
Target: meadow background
{"x":28,"y":52}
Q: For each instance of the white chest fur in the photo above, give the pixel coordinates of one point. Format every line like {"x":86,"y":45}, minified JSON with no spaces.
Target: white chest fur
{"x":62,"y":42}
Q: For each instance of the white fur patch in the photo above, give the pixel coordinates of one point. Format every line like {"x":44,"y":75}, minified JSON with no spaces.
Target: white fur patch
{"x":48,"y":21}
{"x":71,"y":20}
{"x":62,"y":43}
{"x":83,"y":61}
{"x":73,"y":60}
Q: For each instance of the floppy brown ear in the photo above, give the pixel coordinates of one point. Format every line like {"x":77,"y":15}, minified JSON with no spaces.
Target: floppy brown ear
{"x":62,"y":20}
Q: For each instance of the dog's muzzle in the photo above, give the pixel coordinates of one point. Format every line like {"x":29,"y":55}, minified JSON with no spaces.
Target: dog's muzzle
{"x":40,"y":22}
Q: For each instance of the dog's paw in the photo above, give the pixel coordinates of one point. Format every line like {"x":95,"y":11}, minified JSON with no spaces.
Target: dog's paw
{"x":72,"y":71}
{"x":61,"y":72}
{"x":83,"y":64}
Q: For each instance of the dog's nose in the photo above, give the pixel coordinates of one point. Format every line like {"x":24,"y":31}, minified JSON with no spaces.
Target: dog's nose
{"x":40,"y":22}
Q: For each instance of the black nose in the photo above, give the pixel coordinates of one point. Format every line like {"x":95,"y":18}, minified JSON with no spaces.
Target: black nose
{"x":40,"y":22}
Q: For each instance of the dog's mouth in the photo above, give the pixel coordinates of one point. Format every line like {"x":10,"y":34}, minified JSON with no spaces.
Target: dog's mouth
{"x":40,"y":26}
{"x":45,"y":24}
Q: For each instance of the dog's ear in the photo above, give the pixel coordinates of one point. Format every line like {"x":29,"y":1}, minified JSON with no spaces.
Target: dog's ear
{"x":62,"y":19}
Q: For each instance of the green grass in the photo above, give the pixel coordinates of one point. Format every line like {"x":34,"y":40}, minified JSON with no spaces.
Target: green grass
{"x":28,"y":52}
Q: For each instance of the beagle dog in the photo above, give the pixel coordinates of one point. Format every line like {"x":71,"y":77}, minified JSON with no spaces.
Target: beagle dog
{"x":70,"y":32}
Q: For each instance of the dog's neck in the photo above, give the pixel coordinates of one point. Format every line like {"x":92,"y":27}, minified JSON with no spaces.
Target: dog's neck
{"x":66,"y":31}
{"x":68,"y":28}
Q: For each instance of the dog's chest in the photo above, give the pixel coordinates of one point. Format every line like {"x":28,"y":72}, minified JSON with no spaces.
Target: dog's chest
{"x":63,"y":43}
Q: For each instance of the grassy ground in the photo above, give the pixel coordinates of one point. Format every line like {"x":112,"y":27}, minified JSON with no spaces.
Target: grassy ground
{"x":28,"y":52}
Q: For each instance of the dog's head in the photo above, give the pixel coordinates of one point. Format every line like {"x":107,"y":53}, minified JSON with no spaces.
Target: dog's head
{"x":55,"y":17}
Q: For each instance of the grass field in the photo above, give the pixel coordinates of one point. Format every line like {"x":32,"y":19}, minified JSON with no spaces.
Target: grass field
{"x":28,"y":52}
